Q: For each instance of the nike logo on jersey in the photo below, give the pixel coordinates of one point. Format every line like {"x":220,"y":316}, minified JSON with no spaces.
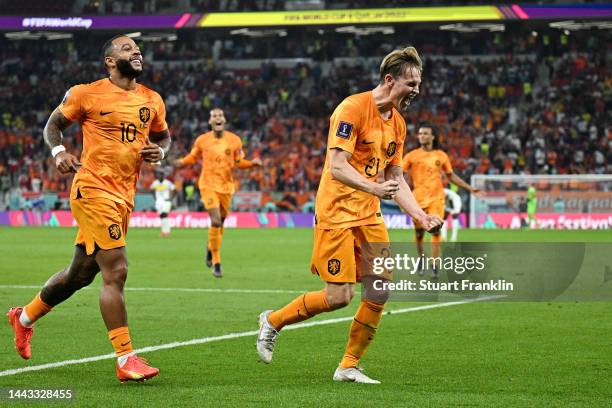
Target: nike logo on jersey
{"x":366,"y":142}
{"x":105,"y":113}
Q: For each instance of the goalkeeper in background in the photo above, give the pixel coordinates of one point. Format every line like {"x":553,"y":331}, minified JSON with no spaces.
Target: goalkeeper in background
{"x":532,"y":205}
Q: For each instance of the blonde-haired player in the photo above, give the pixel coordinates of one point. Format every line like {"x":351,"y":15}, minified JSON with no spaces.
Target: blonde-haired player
{"x":366,"y":138}
{"x":220,"y":151}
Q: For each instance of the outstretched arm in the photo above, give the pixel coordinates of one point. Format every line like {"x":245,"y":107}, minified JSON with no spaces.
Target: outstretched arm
{"x":247,"y":164}
{"x":52,"y":133}
{"x":405,"y":199}
{"x":191,"y":158}
{"x":461,"y":183}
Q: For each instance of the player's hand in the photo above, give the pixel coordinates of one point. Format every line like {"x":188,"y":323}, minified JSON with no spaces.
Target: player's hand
{"x":431,"y":223}
{"x":151,"y":152}
{"x":477,"y":192}
{"x":66,"y":163}
{"x":386,"y":190}
{"x":256,"y":162}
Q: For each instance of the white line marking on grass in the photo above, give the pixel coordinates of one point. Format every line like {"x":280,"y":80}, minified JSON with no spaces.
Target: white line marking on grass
{"x":230,"y":336}
{"x":202,"y":290}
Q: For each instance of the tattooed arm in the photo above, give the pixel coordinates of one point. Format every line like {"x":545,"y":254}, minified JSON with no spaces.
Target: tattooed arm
{"x":64,"y":161}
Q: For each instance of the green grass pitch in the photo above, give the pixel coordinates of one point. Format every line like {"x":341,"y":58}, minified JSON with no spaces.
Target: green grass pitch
{"x":482,"y":354}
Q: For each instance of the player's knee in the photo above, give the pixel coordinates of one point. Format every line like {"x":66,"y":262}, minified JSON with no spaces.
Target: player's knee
{"x":81,"y":280}
{"x":340,"y":297}
{"x":117,"y":274}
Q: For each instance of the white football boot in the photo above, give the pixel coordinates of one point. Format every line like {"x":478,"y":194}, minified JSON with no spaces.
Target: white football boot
{"x":353,"y":374}
{"x":266,"y":340}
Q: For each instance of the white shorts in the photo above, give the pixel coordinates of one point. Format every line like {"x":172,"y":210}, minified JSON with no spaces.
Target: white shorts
{"x":163,"y":207}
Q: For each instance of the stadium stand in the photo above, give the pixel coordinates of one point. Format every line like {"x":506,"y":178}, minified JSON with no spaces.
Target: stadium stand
{"x":481,"y":95}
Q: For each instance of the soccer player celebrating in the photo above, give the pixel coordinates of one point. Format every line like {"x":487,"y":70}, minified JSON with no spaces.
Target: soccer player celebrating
{"x":164,"y":191}
{"x":123,"y":125}
{"x":220,"y":151}
{"x":366,"y":137}
{"x":424,"y":166}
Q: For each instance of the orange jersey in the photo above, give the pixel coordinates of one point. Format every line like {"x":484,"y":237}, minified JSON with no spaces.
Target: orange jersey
{"x":219,"y":155}
{"x":424,"y":168}
{"x":115,"y":124}
{"x":357,"y":127}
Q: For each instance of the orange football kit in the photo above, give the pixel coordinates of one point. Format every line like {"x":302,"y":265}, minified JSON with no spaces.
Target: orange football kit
{"x":424,"y":168}
{"x":116,"y":124}
{"x":347,"y":220}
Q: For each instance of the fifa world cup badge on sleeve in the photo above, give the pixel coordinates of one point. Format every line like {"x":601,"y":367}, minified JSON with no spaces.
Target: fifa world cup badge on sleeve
{"x":344,"y":130}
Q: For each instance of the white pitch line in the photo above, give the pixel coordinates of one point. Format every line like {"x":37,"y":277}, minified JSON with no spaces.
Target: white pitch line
{"x":202,"y":290}
{"x":232,"y":336}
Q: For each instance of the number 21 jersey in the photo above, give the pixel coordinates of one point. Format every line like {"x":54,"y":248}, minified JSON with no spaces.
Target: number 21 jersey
{"x":357,"y":127}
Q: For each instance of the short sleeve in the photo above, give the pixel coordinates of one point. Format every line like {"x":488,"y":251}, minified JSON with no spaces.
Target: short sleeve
{"x":159,"y":121}
{"x":73,"y":104}
{"x":407,"y":162}
{"x":446,"y":164}
{"x":344,"y":126}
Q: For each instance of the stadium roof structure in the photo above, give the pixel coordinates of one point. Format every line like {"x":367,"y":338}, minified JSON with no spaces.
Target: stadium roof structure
{"x":310,"y":17}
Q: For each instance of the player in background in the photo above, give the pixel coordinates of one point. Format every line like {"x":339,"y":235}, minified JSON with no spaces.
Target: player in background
{"x":452,"y":207}
{"x":220,"y":151}
{"x":123,"y":125}
{"x":424,"y":167}
{"x":163,"y":190}
{"x":366,"y":138}
{"x":532,"y":205}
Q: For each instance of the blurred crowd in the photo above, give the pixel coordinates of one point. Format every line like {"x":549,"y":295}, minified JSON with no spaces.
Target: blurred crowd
{"x":543,"y":108}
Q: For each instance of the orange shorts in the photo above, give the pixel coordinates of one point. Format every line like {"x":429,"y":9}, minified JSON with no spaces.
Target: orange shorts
{"x":102,"y":222}
{"x":435,"y":208}
{"x":338,"y":254}
{"x":212,"y":199}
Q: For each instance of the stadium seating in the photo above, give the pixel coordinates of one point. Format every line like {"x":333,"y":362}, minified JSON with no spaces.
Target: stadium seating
{"x":489,"y":119}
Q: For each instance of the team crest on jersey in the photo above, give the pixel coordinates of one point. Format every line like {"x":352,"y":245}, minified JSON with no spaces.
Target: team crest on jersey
{"x":333,"y":266}
{"x":437,"y":163}
{"x":114,"y":231}
{"x":344,"y":130}
{"x":391,"y":149}
{"x":145,"y":114}
{"x":228,"y":152}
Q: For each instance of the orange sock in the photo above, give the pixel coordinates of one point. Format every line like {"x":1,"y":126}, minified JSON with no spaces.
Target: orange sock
{"x":301,"y":308}
{"x":362,"y":332}
{"x":436,"y":245}
{"x":214,"y":243}
{"x":419,"y":244}
{"x":120,"y":338}
{"x":36,"y":309}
